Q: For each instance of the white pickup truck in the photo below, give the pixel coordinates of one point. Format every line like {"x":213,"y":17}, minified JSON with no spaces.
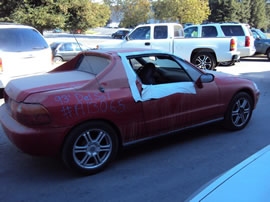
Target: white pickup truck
{"x":169,"y":37}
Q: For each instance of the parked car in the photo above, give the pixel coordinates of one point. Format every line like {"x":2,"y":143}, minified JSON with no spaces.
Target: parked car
{"x":245,"y":39}
{"x":23,"y":51}
{"x":248,"y":181}
{"x":120,"y":34}
{"x":64,"y":51}
{"x":262,"y":43}
{"x":88,"y":108}
{"x":169,"y":37}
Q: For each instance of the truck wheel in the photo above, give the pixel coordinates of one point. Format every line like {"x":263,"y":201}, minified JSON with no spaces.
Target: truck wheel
{"x":268,"y":54}
{"x":239,"y":111}
{"x":204,"y":60}
{"x":90,"y":147}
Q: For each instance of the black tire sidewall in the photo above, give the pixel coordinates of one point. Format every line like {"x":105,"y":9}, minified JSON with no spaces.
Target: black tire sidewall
{"x":228,"y":121}
{"x":57,"y":59}
{"x":213,"y":61}
{"x":67,"y":148}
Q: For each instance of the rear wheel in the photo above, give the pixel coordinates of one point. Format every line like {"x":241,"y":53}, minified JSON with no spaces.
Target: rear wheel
{"x":90,"y":147}
{"x":204,"y":60}
{"x":239,"y":111}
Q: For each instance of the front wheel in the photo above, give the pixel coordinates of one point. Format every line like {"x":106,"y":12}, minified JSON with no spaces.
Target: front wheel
{"x":90,"y":147}
{"x":239,"y":111}
{"x":204,"y":60}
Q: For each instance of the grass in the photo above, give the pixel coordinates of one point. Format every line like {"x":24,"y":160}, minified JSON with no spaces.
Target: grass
{"x":90,"y":32}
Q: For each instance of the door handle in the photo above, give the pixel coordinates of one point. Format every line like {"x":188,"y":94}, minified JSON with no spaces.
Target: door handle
{"x":147,"y":43}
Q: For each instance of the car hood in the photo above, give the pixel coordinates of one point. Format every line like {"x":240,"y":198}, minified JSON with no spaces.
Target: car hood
{"x":21,"y":88}
{"x":248,"y":181}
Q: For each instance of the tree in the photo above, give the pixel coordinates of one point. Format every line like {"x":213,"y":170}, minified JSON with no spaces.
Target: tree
{"x":244,"y":11}
{"x":41,"y":14}
{"x":224,"y":11}
{"x":135,"y":12}
{"x":83,"y":14}
{"x":258,"y":14}
{"x":50,"y":14}
{"x":183,"y":11}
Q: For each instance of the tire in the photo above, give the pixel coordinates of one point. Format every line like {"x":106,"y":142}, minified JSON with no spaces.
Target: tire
{"x":204,"y":60}
{"x":90,"y":147}
{"x":239,"y":111}
{"x":268,"y":54}
{"x":57,"y":60}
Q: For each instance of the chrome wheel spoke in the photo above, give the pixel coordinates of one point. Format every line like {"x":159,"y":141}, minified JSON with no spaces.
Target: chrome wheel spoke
{"x":97,"y":159}
{"x":88,"y":137}
{"x":100,"y":137}
{"x":85,"y":159}
{"x":105,"y":148}
{"x":80,"y":149}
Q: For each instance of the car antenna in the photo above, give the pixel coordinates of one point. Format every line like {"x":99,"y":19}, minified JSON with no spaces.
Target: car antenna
{"x":101,"y":89}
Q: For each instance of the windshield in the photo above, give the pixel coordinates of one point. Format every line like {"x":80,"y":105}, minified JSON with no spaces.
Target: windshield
{"x":261,"y":34}
{"x":21,"y":39}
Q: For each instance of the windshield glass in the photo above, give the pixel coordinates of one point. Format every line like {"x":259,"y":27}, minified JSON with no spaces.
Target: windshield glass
{"x":261,"y":34}
{"x":21,"y":39}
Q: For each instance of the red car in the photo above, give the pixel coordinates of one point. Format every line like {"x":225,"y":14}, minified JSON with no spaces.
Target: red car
{"x":89,"y":107}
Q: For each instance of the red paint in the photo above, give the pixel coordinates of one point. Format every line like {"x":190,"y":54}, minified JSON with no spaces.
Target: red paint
{"x":70,"y":104}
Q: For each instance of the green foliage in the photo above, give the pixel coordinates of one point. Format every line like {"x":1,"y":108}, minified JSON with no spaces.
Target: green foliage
{"x":50,"y":14}
{"x":245,"y":11}
{"x":258,"y":14}
{"x":183,"y":11}
{"x":224,"y":11}
{"x":82,"y":14}
{"x":135,"y":12}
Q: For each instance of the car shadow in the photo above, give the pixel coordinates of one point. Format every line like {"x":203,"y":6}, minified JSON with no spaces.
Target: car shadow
{"x":171,"y":140}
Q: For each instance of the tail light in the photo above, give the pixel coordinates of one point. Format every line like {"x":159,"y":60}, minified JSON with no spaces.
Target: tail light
{"x":30,"y":114}
{"x":247,"y":43}
{"x":1,"y":65}
{"x":232,"y":45}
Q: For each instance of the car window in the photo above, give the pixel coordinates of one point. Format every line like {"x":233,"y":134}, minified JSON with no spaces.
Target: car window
{"x":21,"y":39}
{"x":159,"y":70}
{"x":191,"y":32}
{"x":161,"y":32}
{"x":209,"y":31}
{"x":92,"y":64}
{"x":140,"y":33}
{"x":232,"y":30}
{"x":178,"y":31}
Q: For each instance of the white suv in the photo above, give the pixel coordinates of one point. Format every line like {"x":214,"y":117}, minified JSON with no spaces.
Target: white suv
{"x":23,"y":51}
{"x":245,"y":39}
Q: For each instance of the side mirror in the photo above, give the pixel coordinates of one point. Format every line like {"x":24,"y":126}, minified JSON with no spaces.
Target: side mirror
{"x":127,"y":38}
{"x":205,"y":78}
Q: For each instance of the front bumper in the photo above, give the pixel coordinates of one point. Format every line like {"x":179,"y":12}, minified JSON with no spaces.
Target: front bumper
{"x":34,"y":141}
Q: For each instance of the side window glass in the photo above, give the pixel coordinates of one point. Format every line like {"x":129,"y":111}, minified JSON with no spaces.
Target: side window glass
{"x":229,"y":30}
{"x":209,"y":31}
{"x":160,"y":32}
{"x":62,"y":48}
{"x":191,"y":32}
{"x":140,"y":33}
{"x":68,"y":47}
{"x":178,"y":31}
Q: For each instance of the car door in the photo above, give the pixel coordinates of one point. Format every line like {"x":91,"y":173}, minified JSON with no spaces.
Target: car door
{"x":161,"y":39}
{"x":181,"y":108}
{"x":139,"y":38}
